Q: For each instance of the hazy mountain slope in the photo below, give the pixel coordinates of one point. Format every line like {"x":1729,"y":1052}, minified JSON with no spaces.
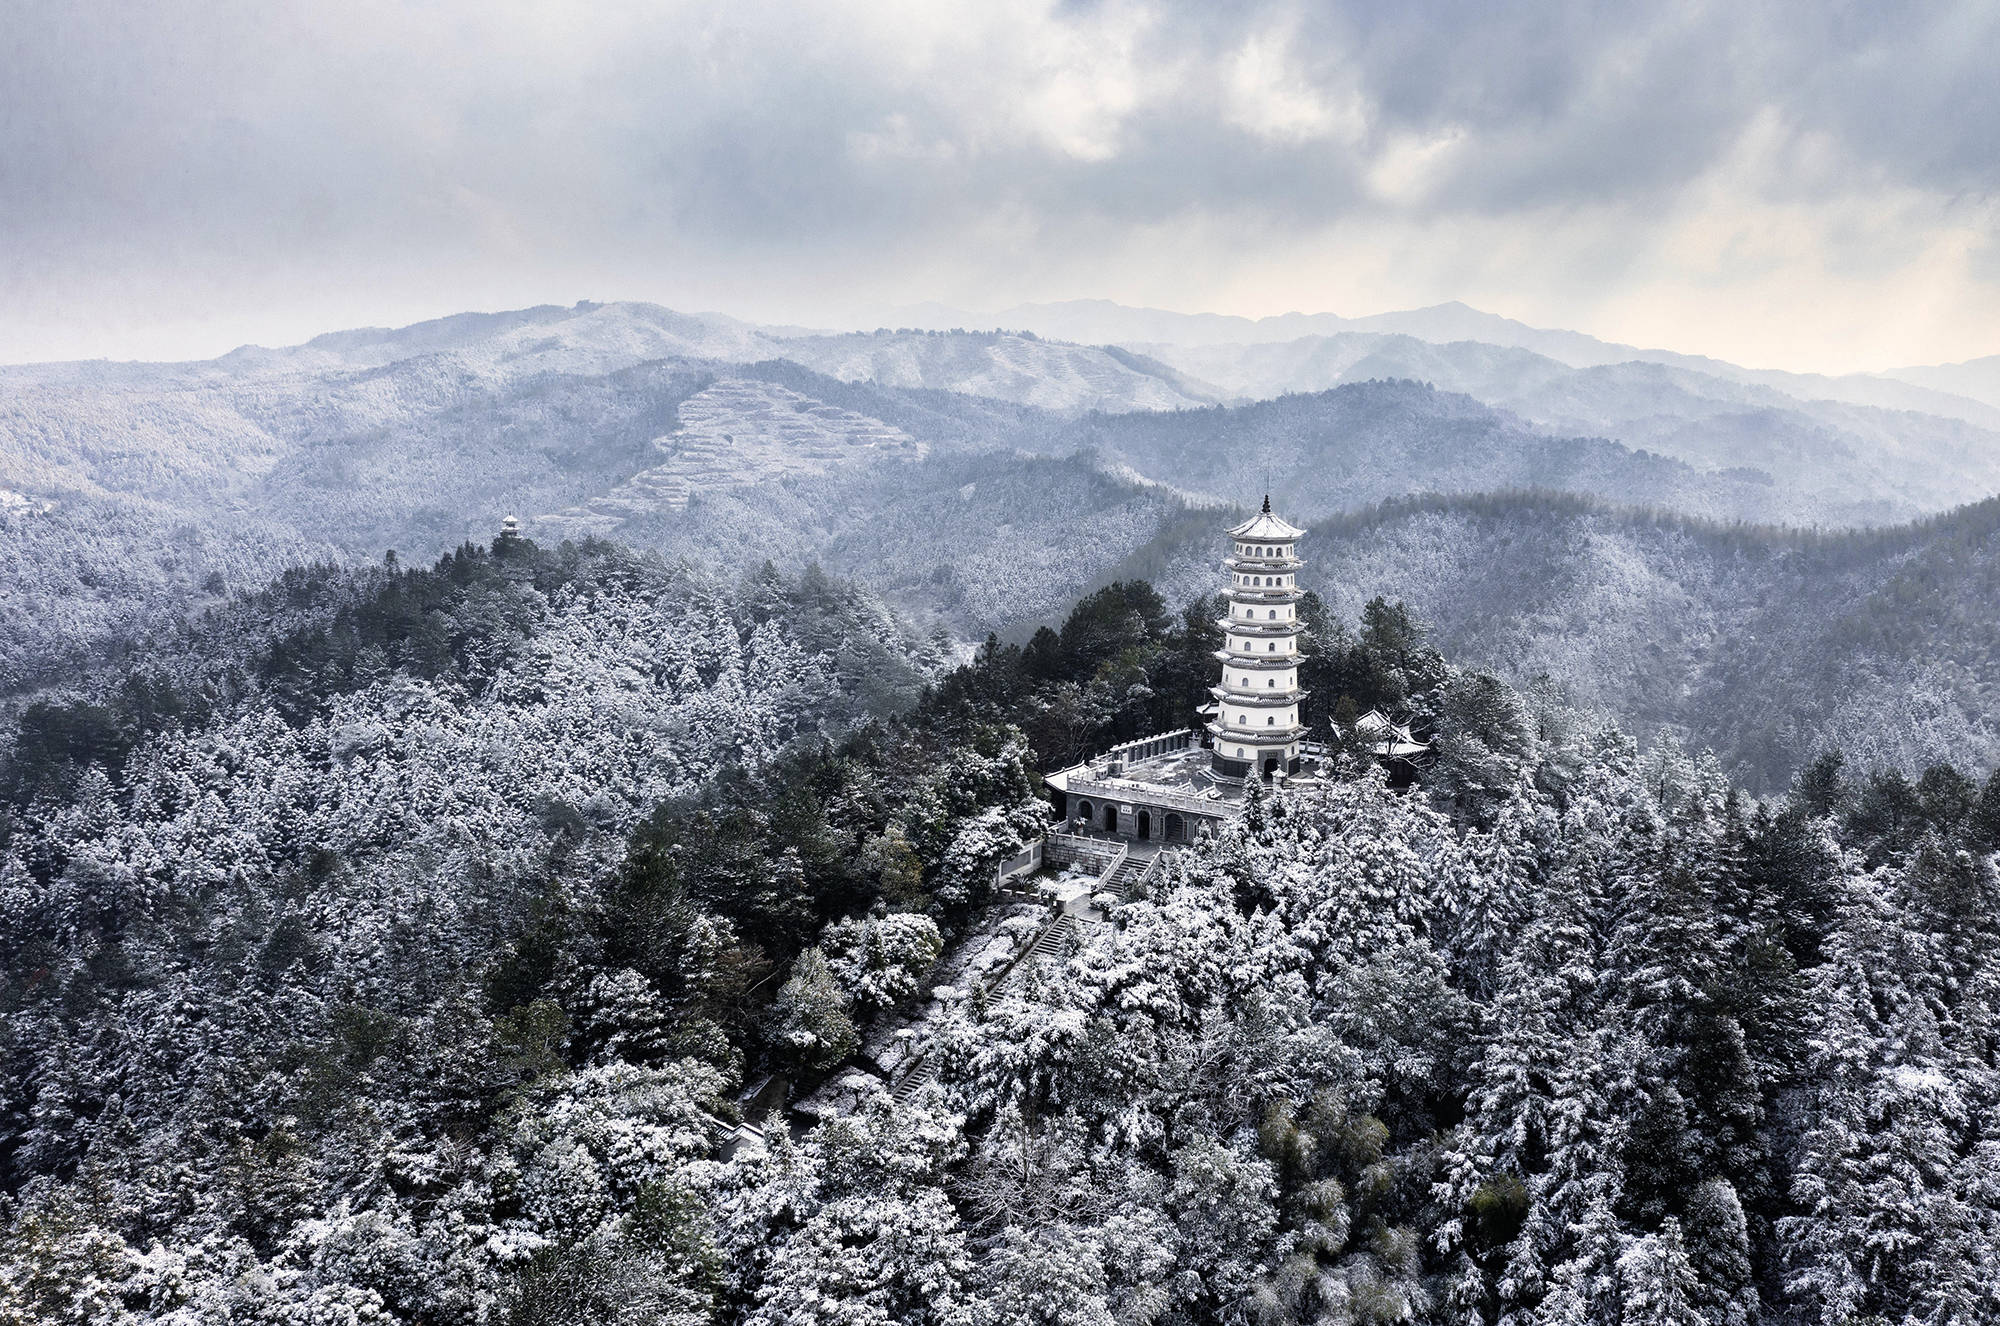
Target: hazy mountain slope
{"x":1767,"y":646}
{"x":185,"y":480}
{"x":1355,"y":445}
{"x":1025,"y":369}
{"x":982,"y":540}
{"x":1866,"y":389}
{"x":1977,"y":378}
{"x":190,"y":433}
{"x":583,"y":338}
{"x":425,"y":482}
{"x":416,"y":452}
{"x":1881,"y":465}
{"x":603,"y":338}
{"x":1096,"y":321}
{"x":1972,"y":397}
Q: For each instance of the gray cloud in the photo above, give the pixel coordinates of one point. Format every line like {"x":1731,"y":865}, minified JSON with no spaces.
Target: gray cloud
{"x":190,"y":174}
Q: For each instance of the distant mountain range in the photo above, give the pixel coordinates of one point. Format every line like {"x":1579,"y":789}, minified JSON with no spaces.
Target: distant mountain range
{"x":1876,"y":463}
{"x":1097,"y":321}
{"x":1978,"y":379}
{"x":982,"y":479}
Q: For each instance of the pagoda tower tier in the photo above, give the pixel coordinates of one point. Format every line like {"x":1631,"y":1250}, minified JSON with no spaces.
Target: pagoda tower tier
{"x":1255,"y":727}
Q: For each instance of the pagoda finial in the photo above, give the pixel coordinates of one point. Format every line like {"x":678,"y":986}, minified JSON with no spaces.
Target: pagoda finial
{"x":1267,"y":504}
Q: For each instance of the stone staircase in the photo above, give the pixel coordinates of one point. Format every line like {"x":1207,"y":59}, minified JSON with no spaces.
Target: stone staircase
{"x":1126,"y":874}
{"x":920,"y":1075}
{"x":1050,"y":945}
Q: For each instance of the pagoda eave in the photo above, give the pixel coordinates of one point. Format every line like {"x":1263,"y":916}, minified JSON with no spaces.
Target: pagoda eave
{"x":1258,"y":662}
{"x":1272,"y":699}
{"x":1252,"y":594}
{"x":1265,"y":736}
{"x":1261,"y":629}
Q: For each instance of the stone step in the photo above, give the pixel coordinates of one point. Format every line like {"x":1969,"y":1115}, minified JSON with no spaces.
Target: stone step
{"x":922,"y":1075}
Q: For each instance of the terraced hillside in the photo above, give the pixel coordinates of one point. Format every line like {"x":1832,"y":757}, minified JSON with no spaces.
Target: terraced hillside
{"x":739,"y":433}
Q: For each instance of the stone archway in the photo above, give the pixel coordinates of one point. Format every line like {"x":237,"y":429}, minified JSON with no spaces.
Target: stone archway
{"x":1086,"y":812}
{"x":1176,"y":828}
{"x":1111,"y":819}
{"x":1145,"y":824}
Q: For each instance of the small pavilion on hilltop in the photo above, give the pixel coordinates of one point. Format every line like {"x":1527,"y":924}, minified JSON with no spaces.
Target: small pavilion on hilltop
{"x":1166,"y":788}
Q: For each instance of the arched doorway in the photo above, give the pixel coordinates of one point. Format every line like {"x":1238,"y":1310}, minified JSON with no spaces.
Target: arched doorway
{"x":1270,"y":765}
{"x":1111,"y":819}
{"x":1084,"y":811}
{"x":1145,"y":824}
{"x":1176,"y":828}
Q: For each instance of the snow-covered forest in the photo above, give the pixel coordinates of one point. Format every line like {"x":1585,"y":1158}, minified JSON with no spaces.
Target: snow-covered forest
{"x":404,"y":944}
{"x":913,"y":664}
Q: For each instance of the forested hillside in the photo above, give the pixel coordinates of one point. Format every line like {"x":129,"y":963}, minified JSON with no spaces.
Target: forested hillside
{"x":109,"y":475}
{"x":1358,"y":444}
{"x":1006,"y":366}
{"x":1885,"y":452}
{"x":389,"y":947}
{"x":1766,"y":645}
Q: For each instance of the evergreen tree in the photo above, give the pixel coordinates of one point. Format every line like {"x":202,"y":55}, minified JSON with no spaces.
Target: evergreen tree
{"x":809,"y":1018}
{"x":1659,"y":1284}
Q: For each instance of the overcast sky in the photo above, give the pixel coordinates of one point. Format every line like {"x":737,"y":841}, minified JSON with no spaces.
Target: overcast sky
{"x":1801,"y":186}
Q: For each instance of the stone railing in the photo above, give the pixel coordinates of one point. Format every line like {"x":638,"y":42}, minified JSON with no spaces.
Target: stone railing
{"x":1085,"y":783}
{"x":1143,"y":885}
{"x":1146,"y":748}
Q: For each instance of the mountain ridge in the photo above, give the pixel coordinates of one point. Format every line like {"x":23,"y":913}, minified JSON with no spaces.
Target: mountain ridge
{"x":1106,"y":321}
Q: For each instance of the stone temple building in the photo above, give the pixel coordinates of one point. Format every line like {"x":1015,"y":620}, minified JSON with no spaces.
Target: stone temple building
{"x":1165,"y":788}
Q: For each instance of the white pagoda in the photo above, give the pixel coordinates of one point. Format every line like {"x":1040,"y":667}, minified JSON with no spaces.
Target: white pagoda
{"x":1254,"y":723}
{"x":1166,"y":788}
